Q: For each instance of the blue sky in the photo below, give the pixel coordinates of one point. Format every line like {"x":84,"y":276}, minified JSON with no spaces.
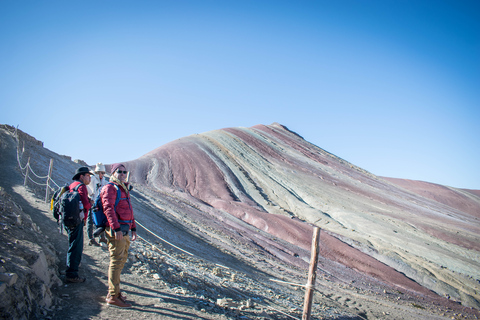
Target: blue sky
{"x":390,"y":86}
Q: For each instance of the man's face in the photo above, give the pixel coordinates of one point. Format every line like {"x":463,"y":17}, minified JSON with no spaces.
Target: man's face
{"x":86,"y":179}
{"x":101,"y":174}
{"x":121,"y":173}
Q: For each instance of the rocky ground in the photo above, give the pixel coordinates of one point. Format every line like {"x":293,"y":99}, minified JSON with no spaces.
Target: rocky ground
{"x":182,"y":270}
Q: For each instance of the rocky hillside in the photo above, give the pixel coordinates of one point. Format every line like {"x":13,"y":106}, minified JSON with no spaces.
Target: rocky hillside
{"x":232,"y":213}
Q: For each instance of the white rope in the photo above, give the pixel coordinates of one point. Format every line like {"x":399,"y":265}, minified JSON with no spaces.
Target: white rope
{"x":293,"y":284}
{"x":31,"y":170}
{"x":19,"y":164}
{"x":37,"y":183}
{"x":54,"y":184}
{"x":141,"y":225}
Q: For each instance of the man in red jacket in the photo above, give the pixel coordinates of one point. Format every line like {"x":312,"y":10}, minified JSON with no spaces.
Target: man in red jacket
{"x":75,"y":234}
{"x":120,"y":223}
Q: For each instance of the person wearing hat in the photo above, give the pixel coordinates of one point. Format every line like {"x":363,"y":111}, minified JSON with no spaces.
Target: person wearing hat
{"x":98,"y":181}
{"x":75,"y":234}
{"x":121,"y":223}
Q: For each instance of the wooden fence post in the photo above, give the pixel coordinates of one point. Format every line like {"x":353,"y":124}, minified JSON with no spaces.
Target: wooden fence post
{"x":26,"y":174}
{"x":312,"y":274}
{"x":50,"y":169}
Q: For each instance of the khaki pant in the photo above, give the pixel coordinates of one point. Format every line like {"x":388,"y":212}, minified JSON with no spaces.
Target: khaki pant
{"x":118,"y":256}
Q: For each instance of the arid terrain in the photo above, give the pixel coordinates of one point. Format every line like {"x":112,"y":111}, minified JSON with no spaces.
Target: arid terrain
{"x":225,"y":223}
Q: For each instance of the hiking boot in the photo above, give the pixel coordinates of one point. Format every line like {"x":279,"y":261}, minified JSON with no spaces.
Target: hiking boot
{"x":98,"y":231}
{"x":75,"y":280}
{"x":103,"y":239}
{"x":119,"y":296}
{"x":117,"y":302}
{"x":92,"y":242}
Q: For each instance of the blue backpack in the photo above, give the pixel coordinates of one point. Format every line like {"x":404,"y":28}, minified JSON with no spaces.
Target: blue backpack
{"x":99,"y":217}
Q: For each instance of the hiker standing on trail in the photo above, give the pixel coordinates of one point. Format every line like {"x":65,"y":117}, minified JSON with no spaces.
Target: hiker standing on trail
{"x":120,"y":223}
{"x":98,"y":181}
{"x":75,"y":234}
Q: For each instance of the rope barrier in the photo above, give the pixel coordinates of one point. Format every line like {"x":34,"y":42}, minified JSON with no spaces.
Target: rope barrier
{"x":54,"y":184}
{"x":291,"y":283}
{"x":19,"y":164}
{"x":37,"y":183}
{"x":141,"y":225}
{"x":29,"y":168}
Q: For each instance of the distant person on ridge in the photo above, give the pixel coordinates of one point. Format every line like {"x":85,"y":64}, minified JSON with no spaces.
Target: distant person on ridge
{"x":120,"y":223}
{"x":98,"y":181}
{"x":75,"y":234}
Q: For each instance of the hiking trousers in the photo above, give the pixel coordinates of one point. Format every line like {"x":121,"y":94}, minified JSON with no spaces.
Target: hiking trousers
{"x":75,"y":250}
{"x":118,"y":256}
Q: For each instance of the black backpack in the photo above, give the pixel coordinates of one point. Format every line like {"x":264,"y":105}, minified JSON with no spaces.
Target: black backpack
{"x":69,"y":207}
{"x":55,"y":201}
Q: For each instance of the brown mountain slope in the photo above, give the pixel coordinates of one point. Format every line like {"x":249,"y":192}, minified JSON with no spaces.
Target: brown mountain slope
{"x":465,"y":201}
{"x":274,"y":180}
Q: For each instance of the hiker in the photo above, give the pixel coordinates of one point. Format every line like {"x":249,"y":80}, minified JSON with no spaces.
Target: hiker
{"x":75,"y":234}
{"x":98,"y":181}
{"x":120,"y":222}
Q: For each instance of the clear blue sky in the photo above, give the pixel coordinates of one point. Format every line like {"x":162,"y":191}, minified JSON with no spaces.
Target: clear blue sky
{"x":390,"y":86}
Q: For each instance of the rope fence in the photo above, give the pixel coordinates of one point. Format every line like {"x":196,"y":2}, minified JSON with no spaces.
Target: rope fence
{"x":27,"y":169}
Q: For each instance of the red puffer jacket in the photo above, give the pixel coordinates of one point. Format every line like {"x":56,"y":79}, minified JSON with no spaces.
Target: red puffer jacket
{"x":124,"y":212}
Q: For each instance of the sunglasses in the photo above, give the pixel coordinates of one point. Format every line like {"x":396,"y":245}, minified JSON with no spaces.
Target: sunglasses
{"x":120,"y":171}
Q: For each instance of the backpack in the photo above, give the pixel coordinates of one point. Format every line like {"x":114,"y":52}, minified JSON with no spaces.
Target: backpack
{"x":70,"y":205}
{"x":99,"y":217}
{"x":55,"y":201}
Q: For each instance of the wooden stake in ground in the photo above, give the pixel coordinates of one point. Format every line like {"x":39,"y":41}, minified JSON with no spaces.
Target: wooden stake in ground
{"x":26,"y":174}
{"x":50,"y":169}
{"x":312,"y":274}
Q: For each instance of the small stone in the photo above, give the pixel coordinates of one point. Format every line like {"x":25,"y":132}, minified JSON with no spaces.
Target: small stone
{"x":9,"y":278}
{"x":227,"y":303}
{"x":217,"y":272}
{"x":3,"y":286}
